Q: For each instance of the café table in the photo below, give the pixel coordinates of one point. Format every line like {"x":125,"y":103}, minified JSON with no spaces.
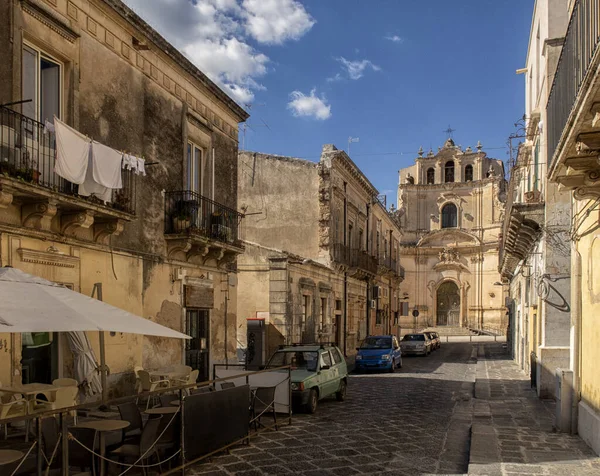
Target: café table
{"x":101,"y":427}
{"x":168,"y":374}
{"x":10,"y":456}
{"x":29,"y":392}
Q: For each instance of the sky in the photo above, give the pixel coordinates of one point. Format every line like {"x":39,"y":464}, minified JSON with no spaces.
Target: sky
{"x":392,"y":74}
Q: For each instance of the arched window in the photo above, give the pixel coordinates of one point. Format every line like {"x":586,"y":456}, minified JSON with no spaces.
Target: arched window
{"x":449,"y":216}
{"x":430,"y":175}
{"x":469,"y":173}
{"x":449,"y":172}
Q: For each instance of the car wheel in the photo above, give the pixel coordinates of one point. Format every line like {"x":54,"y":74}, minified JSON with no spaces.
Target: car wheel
{"x":340,"y":395}
{"x":313,"y":398}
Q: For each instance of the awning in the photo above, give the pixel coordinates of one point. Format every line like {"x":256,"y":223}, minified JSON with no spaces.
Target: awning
{"x":32,"y":304}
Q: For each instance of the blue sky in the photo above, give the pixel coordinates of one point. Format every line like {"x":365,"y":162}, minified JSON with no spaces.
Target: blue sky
{"x":394,"y":73}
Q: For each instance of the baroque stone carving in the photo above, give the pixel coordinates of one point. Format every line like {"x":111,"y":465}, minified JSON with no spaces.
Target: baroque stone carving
{"x":449,"y":256}
{"x":38,"y":215}
{"x":70,"y":222}
{"x":102,"y":231}
{"x":5,"y":198}
{"x":50,"y":257}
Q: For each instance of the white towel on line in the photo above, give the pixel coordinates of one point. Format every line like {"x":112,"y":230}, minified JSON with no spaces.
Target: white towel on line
{"x":141,"y":166}
{"x":72,"y":153}
{"x":129,"y":161}
{"x":91,"y":187}
{"x":107,"y":165}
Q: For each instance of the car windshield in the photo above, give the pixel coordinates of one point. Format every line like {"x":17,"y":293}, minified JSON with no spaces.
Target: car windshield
{"x":297,"y":359}
{"x":377,"y":343}
{"x":413,"y":337}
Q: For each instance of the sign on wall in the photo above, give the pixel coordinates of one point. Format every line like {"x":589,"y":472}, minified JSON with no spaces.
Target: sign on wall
{"x":199,"y":296}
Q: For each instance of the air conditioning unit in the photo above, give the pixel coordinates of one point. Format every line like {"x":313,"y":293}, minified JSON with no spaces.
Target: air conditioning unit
{"x":373,"y":303}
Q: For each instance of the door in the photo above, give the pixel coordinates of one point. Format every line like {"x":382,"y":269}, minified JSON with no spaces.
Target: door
{"x":448,"y":305}
{"x":197,"y":326}
{"x":327,"y":381}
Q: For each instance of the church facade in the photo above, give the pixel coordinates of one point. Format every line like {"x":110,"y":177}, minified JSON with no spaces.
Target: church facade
{"x":450,"y":211}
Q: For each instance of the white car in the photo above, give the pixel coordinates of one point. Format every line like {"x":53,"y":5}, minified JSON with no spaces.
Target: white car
{"x":418,"y":344}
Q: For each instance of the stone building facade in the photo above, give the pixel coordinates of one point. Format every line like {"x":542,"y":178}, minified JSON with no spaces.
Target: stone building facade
{"x":573,"y":125}
{"x":158,"y":252}
{"x":322,"y":253}
{"x":450,"y":211}
{"x":535,"y":258}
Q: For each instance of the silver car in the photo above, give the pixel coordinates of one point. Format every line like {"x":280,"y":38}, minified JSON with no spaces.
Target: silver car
{"x":436,"y":342}
{"x":418,"y":344}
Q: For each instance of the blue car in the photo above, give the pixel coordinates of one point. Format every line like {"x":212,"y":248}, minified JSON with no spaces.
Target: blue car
{"x":379,"y":353}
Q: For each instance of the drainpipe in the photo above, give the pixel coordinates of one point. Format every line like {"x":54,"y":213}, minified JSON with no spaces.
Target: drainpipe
{"x":575,"y":333}
{"x":368,"y":281}
{"x":226,"y":323}
{"x":345,"y":273}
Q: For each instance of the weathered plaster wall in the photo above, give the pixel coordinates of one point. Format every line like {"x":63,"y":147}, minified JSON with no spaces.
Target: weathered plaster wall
{"x":285,"y":192}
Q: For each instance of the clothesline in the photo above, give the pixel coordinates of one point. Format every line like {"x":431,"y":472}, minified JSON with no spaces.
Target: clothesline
{"x":95,"y":167}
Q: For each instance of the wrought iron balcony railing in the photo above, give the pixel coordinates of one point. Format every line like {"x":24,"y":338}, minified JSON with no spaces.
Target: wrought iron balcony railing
{"x":354,"y":258}
{"x":188,"y":212}
{"x":580,"y":46}
{"x":28,"y":153}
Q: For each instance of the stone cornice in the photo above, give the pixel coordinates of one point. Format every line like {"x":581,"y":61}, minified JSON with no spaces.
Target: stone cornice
{"x":49,"y":18}
{"x":48,"y":257}
{"x":450,"y":185}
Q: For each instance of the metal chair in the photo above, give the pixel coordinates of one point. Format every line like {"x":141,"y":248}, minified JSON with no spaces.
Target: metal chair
{"x":144,"y":447}
{"x":263,"y":401}
{"x":130,"y":412}
{"x":149,"y":385}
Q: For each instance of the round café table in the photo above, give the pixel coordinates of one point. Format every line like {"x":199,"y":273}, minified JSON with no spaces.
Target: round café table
{"x":10,"y":456}
{"x":101,"y":427}
{"x":162,"y":411}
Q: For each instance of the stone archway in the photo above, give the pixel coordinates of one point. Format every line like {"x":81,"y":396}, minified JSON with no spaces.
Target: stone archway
{"x":448,"y":304}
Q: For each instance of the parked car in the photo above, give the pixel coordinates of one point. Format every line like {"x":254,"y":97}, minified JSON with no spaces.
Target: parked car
{"x":416,"y":344}
{"x":436,"y":342}
{"x":318,"y":371}
{"x":379,"y":353}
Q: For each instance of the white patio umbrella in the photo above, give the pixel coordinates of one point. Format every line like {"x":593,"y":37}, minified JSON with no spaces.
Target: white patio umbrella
{"x":32,"y":304}
{"x":85,"y":364}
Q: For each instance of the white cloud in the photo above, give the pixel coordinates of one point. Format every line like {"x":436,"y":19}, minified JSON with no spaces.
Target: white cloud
{"x":395,"y":38}
{"x":333,"y":79}
{"x":302,"y":105}
{"x":214,"y":34}
{"x":275,"y":21}
{"x":356,"y":69}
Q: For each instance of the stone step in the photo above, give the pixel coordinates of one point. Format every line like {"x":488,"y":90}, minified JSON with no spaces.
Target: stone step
{"x":450,"y":331}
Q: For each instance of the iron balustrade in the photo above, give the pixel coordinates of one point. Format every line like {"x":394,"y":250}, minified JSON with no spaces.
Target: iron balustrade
{"x":28,"y":154}
{"x":354,"y":258}
{"x":579,"y":48}
{"x":188,"y":212}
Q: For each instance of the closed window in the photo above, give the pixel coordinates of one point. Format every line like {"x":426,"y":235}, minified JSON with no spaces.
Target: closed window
{"x":324,"y":312}
{"x":194,"y":168}
{"x":449,"y":216}
{"x":469,"y":173}
{"x":430,"y":175}
{"x":42,"y":80}
{"x":449,"y":172}
{"x":337,"y":358}
{"x":326,"y":359}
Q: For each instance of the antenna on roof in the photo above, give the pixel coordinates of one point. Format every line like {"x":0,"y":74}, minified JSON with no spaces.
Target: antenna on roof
{"x":246,"y":126}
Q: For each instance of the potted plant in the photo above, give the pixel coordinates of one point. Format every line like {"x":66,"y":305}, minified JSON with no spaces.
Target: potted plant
{"x":182,"y":216}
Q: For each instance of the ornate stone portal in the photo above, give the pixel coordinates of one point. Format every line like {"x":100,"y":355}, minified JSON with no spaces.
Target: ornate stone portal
{"x":448,"y":304}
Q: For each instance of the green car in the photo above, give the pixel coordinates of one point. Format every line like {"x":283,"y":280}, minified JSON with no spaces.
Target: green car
{"x":318,"y":371}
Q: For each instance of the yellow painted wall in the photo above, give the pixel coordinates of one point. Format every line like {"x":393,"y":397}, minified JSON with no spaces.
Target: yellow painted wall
{"x":589,"y":248}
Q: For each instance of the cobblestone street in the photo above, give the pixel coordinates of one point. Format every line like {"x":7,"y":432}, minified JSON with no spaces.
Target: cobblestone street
{"x":415,"y":421}
{"x":420,"y":421}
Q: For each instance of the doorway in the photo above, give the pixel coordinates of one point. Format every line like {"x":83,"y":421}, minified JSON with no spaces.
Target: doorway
{"x":39,"y":356}
{"x":197,"y":326}
{"x":448,"y":304}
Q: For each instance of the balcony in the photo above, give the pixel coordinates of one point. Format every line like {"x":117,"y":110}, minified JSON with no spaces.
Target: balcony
{"x":198,"y":229}
{"x":574,"y":105}
{"x":36,"y":197}
{"x":356,"y":262}
{"x":390,"y":267}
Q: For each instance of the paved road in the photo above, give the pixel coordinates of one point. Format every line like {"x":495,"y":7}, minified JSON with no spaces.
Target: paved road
{"x":415,"y":421}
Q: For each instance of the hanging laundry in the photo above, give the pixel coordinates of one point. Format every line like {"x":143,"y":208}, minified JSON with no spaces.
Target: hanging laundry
{"x":128,"y":161}
{"x":107,"y":165}
{"x":48,"y":127}
{"x":92,"y":188}
{"x":72,"y":153}
{"x":141,"y":166}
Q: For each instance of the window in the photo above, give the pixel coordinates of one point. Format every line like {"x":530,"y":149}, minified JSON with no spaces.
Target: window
{"x":42,"y":80}
{"x":430,"y":175}
{"x":194,"y":168}
{"x":469,"y":173}
{"x":360,"y":239}
{"x":449,"y":218}
{"x":404,"y":308}
{"x":323,"y":313}
{"x":326,"y":359}
{"x":337,"y":358}
{"x":378,"y":317}
{"x":338,"y":304}
{"x":305,"y":310}
{"x":449,"y":172}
